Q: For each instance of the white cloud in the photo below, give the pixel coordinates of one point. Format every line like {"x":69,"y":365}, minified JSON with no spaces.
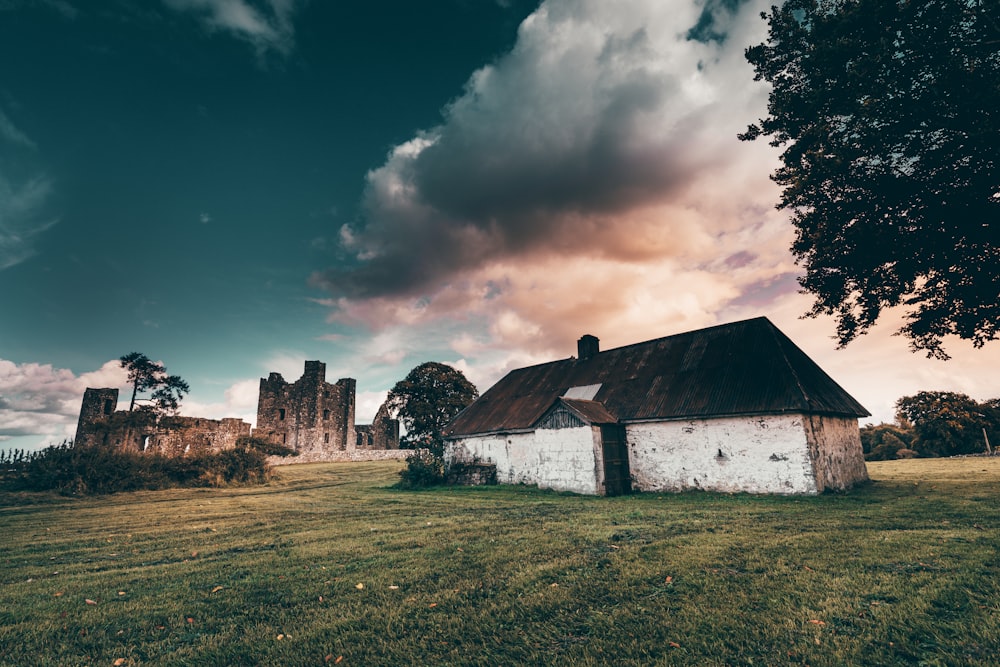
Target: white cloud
{"x":267,"y":26}
{"x":38,"y":399}
{"x":366,"y":405}
{"x":239,"y":401}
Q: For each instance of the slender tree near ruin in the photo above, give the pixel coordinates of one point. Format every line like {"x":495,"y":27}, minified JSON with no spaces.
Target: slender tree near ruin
{"x":146,"y":375}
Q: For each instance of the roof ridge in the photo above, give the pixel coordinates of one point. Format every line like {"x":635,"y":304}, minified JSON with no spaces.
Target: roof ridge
{"x":788,"y":362}
{"x":721,"y":325}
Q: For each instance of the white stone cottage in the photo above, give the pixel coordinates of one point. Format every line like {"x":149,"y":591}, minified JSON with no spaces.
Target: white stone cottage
{"x":735,"y":407}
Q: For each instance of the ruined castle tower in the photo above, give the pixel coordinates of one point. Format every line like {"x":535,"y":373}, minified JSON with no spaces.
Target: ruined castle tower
{"x":309,"y":415}
{"x":98,"y":405}
{"x":382,"y":433}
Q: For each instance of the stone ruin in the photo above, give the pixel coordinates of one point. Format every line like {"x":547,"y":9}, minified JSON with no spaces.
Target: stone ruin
{"x":312,"y":416}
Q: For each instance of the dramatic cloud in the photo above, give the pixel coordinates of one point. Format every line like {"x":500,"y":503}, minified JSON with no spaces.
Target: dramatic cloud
{"x":590,"y":175}
{"x":590,"y":181}
{"x":38,"y":399}
{"x":267,"y":26}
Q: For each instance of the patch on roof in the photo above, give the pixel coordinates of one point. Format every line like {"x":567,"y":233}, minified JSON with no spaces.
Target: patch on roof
{"x":583,"y":393}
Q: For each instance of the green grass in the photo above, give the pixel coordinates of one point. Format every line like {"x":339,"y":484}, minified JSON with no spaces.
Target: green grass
{"x":904,"y":571}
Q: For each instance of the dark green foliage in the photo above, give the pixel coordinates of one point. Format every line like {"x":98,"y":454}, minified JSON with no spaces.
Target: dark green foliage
{"x":93,"y":470}
{"x":947,"y":423}
{"x":265,"y":446}
{"x":429,"y":397}
{"x":889,"y":112}
{"x":882,"y":442}
{"x":423,"y":469}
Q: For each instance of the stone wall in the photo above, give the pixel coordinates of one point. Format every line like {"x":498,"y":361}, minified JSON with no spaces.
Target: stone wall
{"x":560,"y":459}
{"x":835,"y":447}
{"x":783,"y":454}
{"x":382,"y":433}
{"x":334,"y":457}
{"x":754,"y":454}
{"x":177,"y":436}
{"x":142,"y":431}
{"x":310,"y":415}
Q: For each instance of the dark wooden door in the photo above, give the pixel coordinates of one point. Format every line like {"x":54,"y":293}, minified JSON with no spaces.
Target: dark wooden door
{"x":617,"y":478}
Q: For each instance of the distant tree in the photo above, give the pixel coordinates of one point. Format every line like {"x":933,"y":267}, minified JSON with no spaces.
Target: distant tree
{"x":146,"y":375}
{"x":947,"y":423}
{"x":429,"y":397}
{"x":888,"y":111}
{"x":881,"y":442}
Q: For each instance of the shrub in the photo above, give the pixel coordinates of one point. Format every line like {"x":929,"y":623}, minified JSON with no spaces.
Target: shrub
{"x":422,"y":469}
{"x":96,"y":470}
{"x":267,"y":447}
{"x":243,"y":465}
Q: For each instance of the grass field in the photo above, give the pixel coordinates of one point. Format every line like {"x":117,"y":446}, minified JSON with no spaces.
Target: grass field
{"x":328,"y":565}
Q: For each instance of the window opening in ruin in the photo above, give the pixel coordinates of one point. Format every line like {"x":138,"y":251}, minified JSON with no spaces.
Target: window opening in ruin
{"x":326,"y":415}
{"x":284,"y":438}
{"x":109,"y":406}
{"x":281,"y":414}
{"x":326,"y":394}
{"x":145,"y":443}
{"x":326,"y":437}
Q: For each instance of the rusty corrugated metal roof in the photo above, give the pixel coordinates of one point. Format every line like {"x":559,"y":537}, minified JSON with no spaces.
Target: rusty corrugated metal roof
{"x":747,"y":367}
{"x":592,"y":412}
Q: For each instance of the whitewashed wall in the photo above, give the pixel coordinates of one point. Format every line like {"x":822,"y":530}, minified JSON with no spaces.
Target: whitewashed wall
{"x":835,"y":444}
{"x":784,"y":454}
{"x":759,"y":455}
{"x":560,"y":459}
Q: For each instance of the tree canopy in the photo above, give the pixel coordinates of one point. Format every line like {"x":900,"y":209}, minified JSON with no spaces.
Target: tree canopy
{"x":146,"y":375}
{"x":947,"y":423}
{"x":889,"y":114}
{"x":426,"y":400}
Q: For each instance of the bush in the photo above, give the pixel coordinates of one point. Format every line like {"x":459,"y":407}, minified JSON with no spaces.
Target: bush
{"x":243,"y":465}
{"x":423,"y":469}
{"x":264,"y":446}
{"x":97,"y":470}
{"x":882,"y":442}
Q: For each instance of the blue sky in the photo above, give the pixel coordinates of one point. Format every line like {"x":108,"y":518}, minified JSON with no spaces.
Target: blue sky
{"x":235,"y":186}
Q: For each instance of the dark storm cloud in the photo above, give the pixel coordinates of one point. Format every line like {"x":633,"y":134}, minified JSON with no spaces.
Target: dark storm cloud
{"x":599,"y":111}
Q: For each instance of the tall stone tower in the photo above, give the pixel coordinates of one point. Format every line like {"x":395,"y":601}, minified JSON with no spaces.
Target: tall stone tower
{"x":98,"y":405}
{"x":310,"y":415}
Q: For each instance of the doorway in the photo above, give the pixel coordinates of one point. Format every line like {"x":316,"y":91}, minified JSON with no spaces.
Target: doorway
{"x":617,"y":477}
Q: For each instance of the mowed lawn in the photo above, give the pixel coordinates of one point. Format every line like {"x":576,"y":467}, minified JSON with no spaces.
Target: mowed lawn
{"x":329,"y":565}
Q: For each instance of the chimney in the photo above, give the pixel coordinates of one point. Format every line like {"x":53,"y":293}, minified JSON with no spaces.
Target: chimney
{"x":588,"y":346}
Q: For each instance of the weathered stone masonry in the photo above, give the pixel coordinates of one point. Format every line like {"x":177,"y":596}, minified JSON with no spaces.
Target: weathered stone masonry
{"x":101,"y":425}
{"x":310,"y":415}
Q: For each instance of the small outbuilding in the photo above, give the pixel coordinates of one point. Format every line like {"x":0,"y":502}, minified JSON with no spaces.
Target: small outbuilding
{"x":736,"y":408}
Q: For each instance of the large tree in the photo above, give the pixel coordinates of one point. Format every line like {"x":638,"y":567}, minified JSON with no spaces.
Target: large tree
{"x":889,"y":114}
{"x":146,"y":375}
{"x":429,"y":397}
{"x":947,"y":423}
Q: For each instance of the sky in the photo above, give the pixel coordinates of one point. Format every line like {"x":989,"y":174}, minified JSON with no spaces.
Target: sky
{"x":233,"y":187}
